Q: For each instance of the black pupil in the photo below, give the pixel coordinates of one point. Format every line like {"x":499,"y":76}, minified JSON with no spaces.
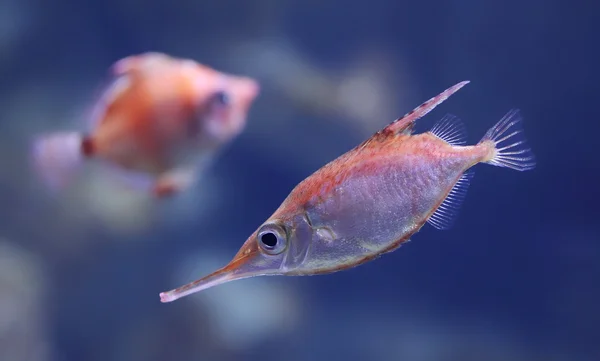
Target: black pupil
{"x":269,"y":240}
{"x":222,"y":98}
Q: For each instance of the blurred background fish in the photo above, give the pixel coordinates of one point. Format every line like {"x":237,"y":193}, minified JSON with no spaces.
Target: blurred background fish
{"x":160,"y":122}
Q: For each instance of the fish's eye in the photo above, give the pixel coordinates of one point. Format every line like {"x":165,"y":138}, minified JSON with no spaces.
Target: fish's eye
{"x":272,"y":239}
{"x":222,"y":98}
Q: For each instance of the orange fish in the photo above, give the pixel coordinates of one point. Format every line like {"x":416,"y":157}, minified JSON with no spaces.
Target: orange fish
{"x":372,"y":199}
{"x":158,"y":123}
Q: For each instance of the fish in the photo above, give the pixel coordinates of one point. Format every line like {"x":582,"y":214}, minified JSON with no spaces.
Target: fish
{"x":373,"y":199}
{"x":159,"y":122}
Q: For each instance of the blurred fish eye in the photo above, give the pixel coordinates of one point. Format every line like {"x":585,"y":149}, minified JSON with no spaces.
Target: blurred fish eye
{"x":222,"y":98}
{"x":272,"y":239}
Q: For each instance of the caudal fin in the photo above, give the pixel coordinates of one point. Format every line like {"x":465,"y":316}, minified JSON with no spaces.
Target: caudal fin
{"x":56,"y":157}
{"x":508,"y":146}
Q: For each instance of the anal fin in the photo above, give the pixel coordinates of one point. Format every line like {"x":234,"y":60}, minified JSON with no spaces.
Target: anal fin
{"x":444,"y":216}
{"x":451,"y":130}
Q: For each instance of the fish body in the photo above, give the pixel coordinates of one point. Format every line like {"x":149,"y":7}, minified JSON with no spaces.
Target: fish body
{"x":372,"y":199}
{"x":158,"y":121}
{"x":376,"y":199}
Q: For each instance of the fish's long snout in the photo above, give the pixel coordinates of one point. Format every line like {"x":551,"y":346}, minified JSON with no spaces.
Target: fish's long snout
{"x":247,"y":263}
{"x":216,"y":278}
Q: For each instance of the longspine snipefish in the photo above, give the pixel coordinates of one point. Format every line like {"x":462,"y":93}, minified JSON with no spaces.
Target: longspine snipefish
{"x":372,"y":199}
{"x":157,"y":125}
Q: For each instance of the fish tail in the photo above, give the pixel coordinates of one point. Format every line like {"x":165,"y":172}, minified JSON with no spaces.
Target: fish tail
{"x":507,"y":144}
{"x":57,"y":156}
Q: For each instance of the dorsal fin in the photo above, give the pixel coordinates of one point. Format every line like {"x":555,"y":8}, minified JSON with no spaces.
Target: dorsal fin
{"x":125,"y":65}
{"x":445,"y":215}
{"x":451,"y":130}
{"x":406,"y":124}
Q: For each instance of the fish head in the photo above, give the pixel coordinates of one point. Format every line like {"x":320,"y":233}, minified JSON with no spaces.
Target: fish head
{"x":224,"y":105}
{"x":278,"y":247}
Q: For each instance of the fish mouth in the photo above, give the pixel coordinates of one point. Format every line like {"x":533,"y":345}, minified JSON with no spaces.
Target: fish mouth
{"x":240,"y":267}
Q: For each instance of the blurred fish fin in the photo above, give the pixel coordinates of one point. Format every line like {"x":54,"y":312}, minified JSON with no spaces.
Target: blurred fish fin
{"x":174,"y":181}
{"x":405,"y":124}
{"x":125,"y":65}
{"x":57,"y":156}
{"x":133,"y":63}
{"x":451,"y":130}
{"x":130,"y":178}
{"x":515,"y":153}
{"x":444,"y":216}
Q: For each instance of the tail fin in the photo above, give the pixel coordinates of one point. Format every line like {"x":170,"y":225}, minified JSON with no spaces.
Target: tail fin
{"x":56,"y":157}
{"x":514,"y":153}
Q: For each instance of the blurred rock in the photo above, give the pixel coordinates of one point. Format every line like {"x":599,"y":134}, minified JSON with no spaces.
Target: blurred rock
{"x":22,"y":319}
{"x":15,"y":22}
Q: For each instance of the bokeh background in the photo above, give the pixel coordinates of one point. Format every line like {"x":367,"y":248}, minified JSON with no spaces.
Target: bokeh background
{"x":516,"y":279}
